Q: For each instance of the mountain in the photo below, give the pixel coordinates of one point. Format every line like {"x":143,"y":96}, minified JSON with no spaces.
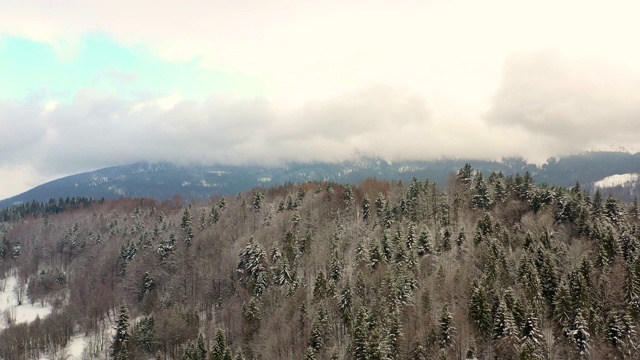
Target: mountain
{"x":325,"y":271}
{"x":163,"y":181}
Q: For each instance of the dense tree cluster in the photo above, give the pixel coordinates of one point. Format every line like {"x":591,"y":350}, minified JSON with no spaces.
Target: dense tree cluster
{"x":491,"y":267}
{"x":36,"y":209}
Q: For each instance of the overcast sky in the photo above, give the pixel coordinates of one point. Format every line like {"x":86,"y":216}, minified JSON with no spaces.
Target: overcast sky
{"x":86,"y":84}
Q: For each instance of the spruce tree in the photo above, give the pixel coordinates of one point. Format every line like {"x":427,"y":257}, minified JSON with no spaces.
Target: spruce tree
{"x":360,"y":335}
{"x":447,"y":330}
{"x":122,"y":335}
{"x":580,"y":336}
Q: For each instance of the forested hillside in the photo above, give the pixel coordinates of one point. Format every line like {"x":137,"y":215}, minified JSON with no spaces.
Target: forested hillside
{"x":490,"y":267}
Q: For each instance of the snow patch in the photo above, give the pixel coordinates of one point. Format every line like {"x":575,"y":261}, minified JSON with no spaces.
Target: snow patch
{"x":217,"y":172}
{"x":405,"y":169}
{"x":76,"y":346}
{"x":10,"y":311}
{"x":617,"y":180}
{"x":208,"y":185}
{"x":116,"y":190}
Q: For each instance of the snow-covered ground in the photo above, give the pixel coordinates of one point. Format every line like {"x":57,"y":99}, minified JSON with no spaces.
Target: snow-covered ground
{"x":617,"y":180}
{"x":80,"y":346}
{"x":10,"y":311}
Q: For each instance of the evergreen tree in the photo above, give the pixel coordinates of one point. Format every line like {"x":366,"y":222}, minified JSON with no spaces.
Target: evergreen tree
{"x":146,"y":334}
{"x":620,"y":331}
{"x":481,"y":199}
{"x":580,"y":336}
{"x":424,"y":243}
{"x":464,"y":175}
{"x":395,"y":333}
{"x":360,"y":335}
{"x":345,"y":302}
{"x":366,"y":208}
{"x":219,"y":346}
{"x":447,"y":330}
{"x":479,"y":308}
{"x":461,"y":238}
{"x":257,"y":200}
{"x":531,"y":338}
{"x":596,"y":204}
{"x":348,"y":197}
{"x":562,"y":306}
{"x":186,"y":219}
{"x":253,"y":265}
{"x":319,"y":329}
{"x":122,"y":336}
{"x":380,"y":203}
{"x":201,"y":348}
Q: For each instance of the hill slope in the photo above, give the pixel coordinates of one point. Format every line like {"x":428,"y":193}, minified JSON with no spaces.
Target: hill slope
{"x":162,"y":181}
{"x":491,"y":267}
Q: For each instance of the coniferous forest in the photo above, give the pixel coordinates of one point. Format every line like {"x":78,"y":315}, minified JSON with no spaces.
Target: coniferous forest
{"x":490,"y":267}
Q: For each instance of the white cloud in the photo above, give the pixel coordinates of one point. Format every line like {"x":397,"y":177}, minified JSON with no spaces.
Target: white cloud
{"x":49,"y":107}
{"x":402,"y":80}
{"x":574,"y":104}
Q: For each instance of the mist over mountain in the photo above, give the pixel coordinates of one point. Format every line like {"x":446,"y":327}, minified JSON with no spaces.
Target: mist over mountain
{"x":163,"y":181}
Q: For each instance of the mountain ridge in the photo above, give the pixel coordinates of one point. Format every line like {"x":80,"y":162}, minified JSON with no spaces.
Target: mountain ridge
{"x":164,"y":180}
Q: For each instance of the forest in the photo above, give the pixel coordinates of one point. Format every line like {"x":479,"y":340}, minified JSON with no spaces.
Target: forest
{"x":491,"y":266}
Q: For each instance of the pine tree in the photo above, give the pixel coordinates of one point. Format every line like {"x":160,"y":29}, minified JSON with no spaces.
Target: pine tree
{"x":257,"y":200}
{"x":201,"y":348}
{"x":447,"y":330}
{"x":446,"y":240}
{"x":481,"y":200}
{"x":360,"y":335}
{"x":531,"y":338}
{"x":219,"y":346}
{"x":366,"y":209}
{"x":424,"y":243}
{"x":503,"y":324}
{"x":345,"y":301}
{"x":464,"y":175}
{"x":479,"y":309}
{"x":147,"y":334}
{"x":461,"y":238}
{"x":562,"y":306}
{"x":580,"y":336}
{"x":620,"y":331}
{"x":348,"y":197}
{"x":190,"y":352}
{"x":319,"y":329}
{"x":380,"y":202}
{"x":121,"y":337}
{"x":186,"y":219}
{"x":320,"y":287}
{"x":395,"y":333}
{"x":596,"y":204}
{"x":253,"y":265}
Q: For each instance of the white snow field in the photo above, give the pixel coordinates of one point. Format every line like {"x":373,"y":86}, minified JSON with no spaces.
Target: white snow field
{"x":617,"y":180}
{"x":11,"y":312}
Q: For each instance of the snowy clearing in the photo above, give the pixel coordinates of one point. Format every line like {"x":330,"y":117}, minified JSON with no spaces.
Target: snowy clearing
{"x":617,"y":180}
{"x":10,"y":311}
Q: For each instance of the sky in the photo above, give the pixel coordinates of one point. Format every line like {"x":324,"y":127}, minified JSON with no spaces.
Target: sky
{"x":86,"y":84}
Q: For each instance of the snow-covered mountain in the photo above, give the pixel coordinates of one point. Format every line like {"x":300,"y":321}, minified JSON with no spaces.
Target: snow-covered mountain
{"x":163,"y":181}
{"x":624,"y":186}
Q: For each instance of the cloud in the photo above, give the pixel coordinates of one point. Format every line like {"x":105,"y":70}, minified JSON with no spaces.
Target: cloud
{"x":572,"y":104}
{"x":212,"y":82}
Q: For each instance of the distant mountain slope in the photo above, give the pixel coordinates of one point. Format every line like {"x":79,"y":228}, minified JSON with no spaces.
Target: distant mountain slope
{"x":163,"y":181}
